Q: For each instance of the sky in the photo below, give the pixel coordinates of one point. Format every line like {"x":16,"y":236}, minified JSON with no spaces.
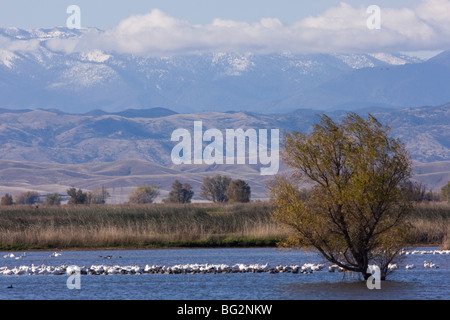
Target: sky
{"x":190,"y":26}
{"x":27,"y":14}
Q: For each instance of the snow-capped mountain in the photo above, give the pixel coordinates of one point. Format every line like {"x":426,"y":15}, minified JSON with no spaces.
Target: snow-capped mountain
{"x":360,"y":61}
{"x":34,"y":75}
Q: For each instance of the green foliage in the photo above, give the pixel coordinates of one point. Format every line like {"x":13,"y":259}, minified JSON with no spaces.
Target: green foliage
{"x":144,"y":194}
{"x":181,"y":193}
{"x":354,"y":212}
{"x":238,"y":191}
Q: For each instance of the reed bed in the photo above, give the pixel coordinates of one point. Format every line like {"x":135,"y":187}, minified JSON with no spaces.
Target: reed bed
{"x":156,"y":225}
{"x":430,"y":223}
{"x":170,"y":225}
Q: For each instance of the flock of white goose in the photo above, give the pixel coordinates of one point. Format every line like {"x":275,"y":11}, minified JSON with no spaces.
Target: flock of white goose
{"x":157,"y":269}
{"x":183,"y":268}
{"x":176,"y":269}
{"x":426,"y":252}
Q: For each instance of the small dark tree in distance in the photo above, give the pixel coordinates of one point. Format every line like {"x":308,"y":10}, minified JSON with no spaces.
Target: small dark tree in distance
{"x":98,"y":196}
{"x":180,"y":193}
{"x":214,"y":189}
{"x":29,"y":197}
{"x":53,"y":199}
{"x":417,"y":190}
{"x":77,"y":196}
{"x":7,"y":200}
{"x":238,"y":191}
{"x":143,"y":195}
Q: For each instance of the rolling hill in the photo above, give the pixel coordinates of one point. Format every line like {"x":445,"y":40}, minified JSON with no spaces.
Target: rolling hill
{"x":50,"y":150}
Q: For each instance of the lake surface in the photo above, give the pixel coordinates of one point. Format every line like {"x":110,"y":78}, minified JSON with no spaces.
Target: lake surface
{"x":418,"y":283}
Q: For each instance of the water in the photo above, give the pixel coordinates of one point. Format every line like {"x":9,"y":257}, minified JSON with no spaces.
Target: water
{"x":405,"y":284}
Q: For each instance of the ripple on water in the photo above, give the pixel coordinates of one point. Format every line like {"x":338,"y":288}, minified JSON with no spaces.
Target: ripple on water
{"x":418,"y":283}
{"x":353,"y":290}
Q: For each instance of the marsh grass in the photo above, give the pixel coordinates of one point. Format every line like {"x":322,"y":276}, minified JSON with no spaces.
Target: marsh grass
{"x":137,"y":226}
{"x":430,"y":224}
{"x":171,"y":225}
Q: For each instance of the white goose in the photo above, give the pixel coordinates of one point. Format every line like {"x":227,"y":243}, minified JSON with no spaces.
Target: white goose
{"x":55,"y":254}
{"x":333,"y":268}
{"x":430,"y":265}
{"x":392,"y":266}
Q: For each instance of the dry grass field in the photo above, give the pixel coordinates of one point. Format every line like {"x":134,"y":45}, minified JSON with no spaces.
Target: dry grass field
{"x":169,"y":225}
{"x":155,"y":225}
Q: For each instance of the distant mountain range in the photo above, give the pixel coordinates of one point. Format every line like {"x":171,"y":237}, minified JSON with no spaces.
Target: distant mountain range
{"x":57,"y":137}
{"x":50,"y":149}
{"x":82,"y":81}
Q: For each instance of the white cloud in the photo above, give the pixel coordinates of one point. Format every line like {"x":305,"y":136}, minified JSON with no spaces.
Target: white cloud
{"x":338,"y":29}
{"x":18,"y":45}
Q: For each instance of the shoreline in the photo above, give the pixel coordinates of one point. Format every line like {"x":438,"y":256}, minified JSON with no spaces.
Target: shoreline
{"x":155,"y":247}
{"x":137,"y":248}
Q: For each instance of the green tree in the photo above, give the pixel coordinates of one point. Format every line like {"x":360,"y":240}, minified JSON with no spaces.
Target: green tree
{"x":144,"y":194}
{"x":445,"y":192}
{"x":77,"y":196}
{"x":7,"y":200}
{"x":29,"y":197}
{"x":98,"y":196}
{"x":180,"y":193}
{"x":238,"y":191}
{"x":53,"y":199}
{"x":214,"y":188}
{"x":354,"y":212}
